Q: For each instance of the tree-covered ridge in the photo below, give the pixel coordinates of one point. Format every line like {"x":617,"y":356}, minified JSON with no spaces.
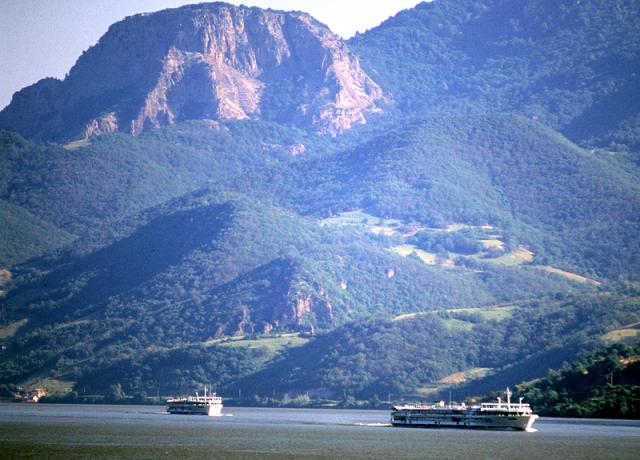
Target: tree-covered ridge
{"x":25,"y":236}
{"x":373,"y":361}
{"x":201,"y":273}
{"x":470,"y":229}
{"x":568,"y":64}
{"x":605,"y":384}
{"x":81,"y":188}
{"x":253,"y":251}
{"x":499,"y":169}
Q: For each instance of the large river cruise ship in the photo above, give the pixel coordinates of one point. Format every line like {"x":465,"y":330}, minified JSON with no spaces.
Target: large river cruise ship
{"x":500,"y":415}
{"x":196,"y":405}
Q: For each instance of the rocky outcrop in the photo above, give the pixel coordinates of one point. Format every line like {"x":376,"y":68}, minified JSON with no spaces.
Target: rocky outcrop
{"x":6,"y":281}
{"x":207,"y":61}
{"x":305,"y":309}
{"x":107,"y":123}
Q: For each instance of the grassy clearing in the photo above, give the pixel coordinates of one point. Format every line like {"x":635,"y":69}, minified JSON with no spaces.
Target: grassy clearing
{"x":407,"y":316}
{"x":496,"y":313}
{"x":433,"y":388}
{"x":358,"y":217}
{"x":73,"y":323}
{"x":457,"y":325}
{"x":456,"y":227}
{"x":568,"y":275}
{"x":373,"y":224}
{"x":380,"y":230}
{"x":75,"y":145}
{"x":10,"y":330}
{"x":428,"y":390}
{"x":627,"y":335}
{"x":492,"y":244}
{"x":469,"y":374}
{"x":519,"y":257}
{"x":428,"y":258}
{"x":490,"y":313}
{"x":272,"y":344}
{"x":490,"y":240}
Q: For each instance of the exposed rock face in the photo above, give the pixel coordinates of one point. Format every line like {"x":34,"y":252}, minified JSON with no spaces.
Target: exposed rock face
{"x":6,"y":280}
{"x":208,"y":61}
{"x":305,"y":307}
{"x":297,"y":149}
{"x":107,"y":123}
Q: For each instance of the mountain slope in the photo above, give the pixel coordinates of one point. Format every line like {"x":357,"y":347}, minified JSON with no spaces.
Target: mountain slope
{"x":102,"y":182}
{"x":24,"y":236}
{"x":469,"y":230}
{"x":604,"y":384}
{"x":201,"y":274}
{"x":570,"y":65}
{"x":207,"y":61}
{"x":570,"y":206}
{"x":368,"y":361}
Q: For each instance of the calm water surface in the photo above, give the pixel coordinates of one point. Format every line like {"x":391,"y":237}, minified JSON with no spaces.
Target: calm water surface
{"x":147,"y":432}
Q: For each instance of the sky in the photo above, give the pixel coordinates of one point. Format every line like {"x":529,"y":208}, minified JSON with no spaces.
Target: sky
{"x":43,"y":38}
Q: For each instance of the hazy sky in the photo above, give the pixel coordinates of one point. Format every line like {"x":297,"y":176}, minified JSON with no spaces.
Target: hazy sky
{"x":43,"y":38}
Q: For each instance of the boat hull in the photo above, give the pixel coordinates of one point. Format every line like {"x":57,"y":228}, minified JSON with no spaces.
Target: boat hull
{"x":512,"y":423}
{"x":189,"y":409}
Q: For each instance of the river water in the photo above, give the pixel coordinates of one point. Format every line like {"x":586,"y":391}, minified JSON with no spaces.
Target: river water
{"x":148,"y":432}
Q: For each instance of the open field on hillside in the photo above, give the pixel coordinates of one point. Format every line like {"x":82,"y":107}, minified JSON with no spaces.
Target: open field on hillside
{"x":628,"y":335}
{"x":568,"y":275}
{"x":433,"y":388}
{"x":428,"y":258}
{"x":11,"y":329}
{"x":272,"y":344}
{"x":490,"y":313}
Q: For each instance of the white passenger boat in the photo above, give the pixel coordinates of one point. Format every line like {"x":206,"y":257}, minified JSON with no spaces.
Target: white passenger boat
{"x":196,"y":405}
{"x":499,"y":416}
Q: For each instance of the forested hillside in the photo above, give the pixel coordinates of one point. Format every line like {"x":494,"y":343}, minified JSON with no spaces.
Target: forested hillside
{"x":476,"y":228}
{"x":567,"y":64}
{"x":603,"y":384}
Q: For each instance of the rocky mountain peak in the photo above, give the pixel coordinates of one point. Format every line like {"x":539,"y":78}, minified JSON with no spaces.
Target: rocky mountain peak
{"x":207,"y":61}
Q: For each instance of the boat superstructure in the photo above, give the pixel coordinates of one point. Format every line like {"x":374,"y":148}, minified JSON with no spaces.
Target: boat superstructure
{"x":196,"y":405}
{"x":500,"y":415}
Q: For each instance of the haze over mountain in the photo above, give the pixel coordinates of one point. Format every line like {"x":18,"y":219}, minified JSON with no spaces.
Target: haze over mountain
{"x":225,"y":195}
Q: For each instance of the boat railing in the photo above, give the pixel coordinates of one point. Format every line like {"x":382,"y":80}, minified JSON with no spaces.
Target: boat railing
{"x":505,"y":406}
{"x":204,"y":398}
{"x":433,"y":407}
{"x":197,"y":399}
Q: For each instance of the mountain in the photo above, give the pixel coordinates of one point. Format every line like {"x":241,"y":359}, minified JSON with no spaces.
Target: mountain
{"x":569,"y":64}
{"x":603,"y":384}
{"x":223,"y":214}
{"x":367,"y":360}
{"x":532,"y":185}
{"x":214,"y":61}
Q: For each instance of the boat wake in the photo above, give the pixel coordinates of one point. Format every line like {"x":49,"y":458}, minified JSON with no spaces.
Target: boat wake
{"x":371,"y":424}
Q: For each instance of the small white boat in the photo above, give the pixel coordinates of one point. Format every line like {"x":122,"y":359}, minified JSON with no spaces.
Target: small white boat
{"x":196,"y":405}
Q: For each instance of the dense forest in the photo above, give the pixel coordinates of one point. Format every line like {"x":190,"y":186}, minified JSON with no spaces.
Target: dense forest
{"x":479,"y":230}
{"x":605,"y":384}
